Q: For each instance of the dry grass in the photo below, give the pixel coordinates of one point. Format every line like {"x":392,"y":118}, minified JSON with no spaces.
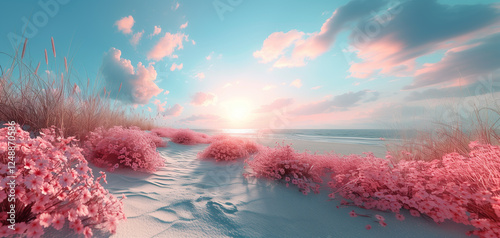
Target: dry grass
{"x":445,"y":138}
{"x":29,"y":99}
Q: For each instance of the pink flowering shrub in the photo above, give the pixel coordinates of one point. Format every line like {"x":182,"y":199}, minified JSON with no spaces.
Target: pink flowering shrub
{"x":283,"y":163}
{"x":53,"y":187}
{"x":229,"y":149}
{"x":220,"y":137}
{"x":159,"y":142}
{"x":183,"y":136}
{"x":189,"y":137}
{"x":164,"y":131}
{"x":465,"y":189}
{"x":118,"y":146}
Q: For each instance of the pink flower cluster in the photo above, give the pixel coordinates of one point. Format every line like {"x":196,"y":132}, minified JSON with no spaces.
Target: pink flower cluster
{"x":226,"y":148}
{"x":53,"y":187}
{"x":284,"y":163}
{"x":183,"y":136}
{"x":127,"y":147}
{"x":463,"y":189}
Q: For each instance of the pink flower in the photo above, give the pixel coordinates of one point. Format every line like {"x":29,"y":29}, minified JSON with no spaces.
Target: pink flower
{"x":82,"y":168}
{"x":382,"y":223}
{"x":400,"y":217}
{"x":45,"y":219}
{"x":49,"y":185}
{"x":66,"y":179}
{"x":368,"y":227}
{"x":62,"y":196}
{"x":82,"y":210}
{"x":414,"y":213}
{"x":33,"y":182}
{"x":38,"y":208}
{"x":47,"y":189}
{"x":92,"y":209}
{"x":353,"y":214}
{"x":34,"y":229}
{"x":78,"y":227}
{"x":480,"y":223}
{"x":20,"y":228}
{"x":58,"y":221}
{"x":379,"y":217}
{"x":72,"y":215}
{"x":87,"y":232}
{"x":112,"y":222}
{"x":86,"y":196}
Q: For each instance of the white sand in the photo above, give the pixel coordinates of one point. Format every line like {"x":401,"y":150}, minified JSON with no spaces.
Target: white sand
{"x":198,"y":198}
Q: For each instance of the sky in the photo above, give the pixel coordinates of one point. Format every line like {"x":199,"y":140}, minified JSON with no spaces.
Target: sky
{"x":269,"y":64}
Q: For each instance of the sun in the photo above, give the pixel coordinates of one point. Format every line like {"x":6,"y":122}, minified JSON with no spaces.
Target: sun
{"x":239,"y":114}
{"x":238,"y":110}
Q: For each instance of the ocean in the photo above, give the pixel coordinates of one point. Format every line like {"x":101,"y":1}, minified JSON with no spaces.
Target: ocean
{"x":345,"y":136}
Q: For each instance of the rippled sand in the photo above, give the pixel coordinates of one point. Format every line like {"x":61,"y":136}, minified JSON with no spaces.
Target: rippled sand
{"x":199,"y":198}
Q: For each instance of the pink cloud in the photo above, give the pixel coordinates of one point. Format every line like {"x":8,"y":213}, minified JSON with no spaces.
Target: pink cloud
{"x":316,"y":88}
{"x":296,"y":83}
{"x":156,"y":31}
{"x":176,"y":66}
{"x":278,"y":45}
{"x":381,"y":57}
{"x":160,"y":106}
{"x":275,"y":44}
{"x":183,"y":25}
{"x":461,"y":65}
{"x":176,"y":6}
{"x":340,"y":102}
{"x":203,"y":99}
{"x":136,"y":38}
{"x":397,"y":44}
{"x":200,"y":117}
{"x":209,"y":57}
{"x":175,"y":111}
{"x":138,"y":85}
{"x":125,"y":24}
{"x":167,"y":45}
{"x":166,"y":92}
{"x":200,"y":76}
{"x":275,"y":105}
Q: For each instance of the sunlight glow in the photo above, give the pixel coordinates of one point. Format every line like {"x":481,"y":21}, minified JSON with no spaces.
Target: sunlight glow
{"x":238,"y":110}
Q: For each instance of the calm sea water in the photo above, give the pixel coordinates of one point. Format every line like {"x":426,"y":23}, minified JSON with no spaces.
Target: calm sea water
{"x":349,"y":136}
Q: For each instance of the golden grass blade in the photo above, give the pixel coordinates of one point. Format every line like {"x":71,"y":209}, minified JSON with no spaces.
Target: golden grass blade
{"x":36,"y":70}
{"x":24,"y":47}
{"x":53,"y":46}
{"x":66,"y":64}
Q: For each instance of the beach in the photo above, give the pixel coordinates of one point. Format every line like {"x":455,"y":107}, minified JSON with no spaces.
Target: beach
{"x":190,"y":197}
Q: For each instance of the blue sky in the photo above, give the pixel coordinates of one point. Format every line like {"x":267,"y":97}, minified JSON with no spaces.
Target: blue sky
{"x":269,"y":64}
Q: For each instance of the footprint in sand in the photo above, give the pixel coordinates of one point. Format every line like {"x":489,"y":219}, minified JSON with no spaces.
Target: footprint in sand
{"x":185,"y":210}
{"x":165,"y":215}
{"x":227,"y":207}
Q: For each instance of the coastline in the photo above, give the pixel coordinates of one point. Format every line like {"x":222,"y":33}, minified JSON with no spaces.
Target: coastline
{"x":323,"y":147}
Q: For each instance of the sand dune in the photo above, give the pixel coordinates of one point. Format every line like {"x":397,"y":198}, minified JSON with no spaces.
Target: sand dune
{"x":198,"y":198}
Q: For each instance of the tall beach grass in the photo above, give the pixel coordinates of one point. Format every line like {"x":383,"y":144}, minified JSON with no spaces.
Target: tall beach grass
{"x":43,"y":99}
{"x":480,"y":123}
